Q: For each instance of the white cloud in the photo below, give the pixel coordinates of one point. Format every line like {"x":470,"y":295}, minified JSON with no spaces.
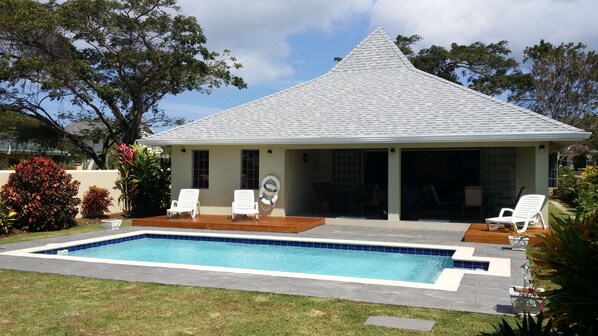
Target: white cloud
{"x":521,"y":22}
{"x":256,"y":31}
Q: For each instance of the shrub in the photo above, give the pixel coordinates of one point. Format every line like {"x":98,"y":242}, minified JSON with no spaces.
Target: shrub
{"x":590,"y":175}
{"x":43,"y":195}
{"x":6,"y":217}
{"x":568,"y":258}
{"x":587,"y":200}
{"x":96,"y":201}
{"x":144,"y":182}
{"x":569,"y":186}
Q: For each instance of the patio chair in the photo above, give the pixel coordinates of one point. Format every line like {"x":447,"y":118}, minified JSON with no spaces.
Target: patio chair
{"x":528,"y":210}
{"x":244,"y":204}
{"x":428,"y":188}
{"x":188,"y":202}
{"x":324,"y":195}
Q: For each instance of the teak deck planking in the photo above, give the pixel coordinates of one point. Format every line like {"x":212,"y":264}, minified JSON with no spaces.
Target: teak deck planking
{"x":478,"y":233}
{"x":241,"y":223}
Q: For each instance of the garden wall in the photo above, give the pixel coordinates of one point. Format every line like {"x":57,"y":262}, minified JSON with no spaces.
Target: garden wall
{"x":100,"y":178}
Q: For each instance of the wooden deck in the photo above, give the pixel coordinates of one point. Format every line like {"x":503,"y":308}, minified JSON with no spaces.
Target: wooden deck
{"x":478,"y":233}
{"x":241,"y":223}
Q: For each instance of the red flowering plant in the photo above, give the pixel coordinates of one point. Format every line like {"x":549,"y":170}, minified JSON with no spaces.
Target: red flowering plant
{"x":126,"y":157}
{"x":96,"y":201}
{"x":144,"y":180}
{"x":43,"y":195}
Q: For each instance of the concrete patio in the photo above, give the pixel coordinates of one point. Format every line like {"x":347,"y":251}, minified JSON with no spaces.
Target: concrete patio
{"x":477,"y":293}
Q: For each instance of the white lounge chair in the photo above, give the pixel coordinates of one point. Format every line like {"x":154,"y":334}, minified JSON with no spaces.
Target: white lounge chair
{"x":527,"y":210}
{"x":244,"y":204}
{"x":188,"y":202}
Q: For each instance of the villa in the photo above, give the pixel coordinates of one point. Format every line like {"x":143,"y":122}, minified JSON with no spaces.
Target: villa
{"x":372,"y":125}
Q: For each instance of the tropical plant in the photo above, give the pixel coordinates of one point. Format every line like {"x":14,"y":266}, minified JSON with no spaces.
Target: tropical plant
{"x":6,"y":217}
{"x":529,"y":327}
{"x":144,"y":181}
{"x":96,"y":201}
{"x":568,"y":258}
{"x":43,"y":195}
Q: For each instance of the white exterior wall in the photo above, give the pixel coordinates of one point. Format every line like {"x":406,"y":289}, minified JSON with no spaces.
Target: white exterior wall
{"x":286,"y":163}
{"x":225,"y":175}
{"x":101,"y":178}
{"x":532,"y":172}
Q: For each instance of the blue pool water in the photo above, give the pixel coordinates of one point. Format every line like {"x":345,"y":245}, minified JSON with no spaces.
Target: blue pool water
{"x":323,"y":259}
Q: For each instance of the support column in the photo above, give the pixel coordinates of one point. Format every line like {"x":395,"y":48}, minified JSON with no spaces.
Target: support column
{"x":394,"y":184}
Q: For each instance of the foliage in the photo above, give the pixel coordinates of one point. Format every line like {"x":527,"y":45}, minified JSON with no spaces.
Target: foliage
{"x":108,"y":62}
{"x":590,"y":175}
{"x":569,"y":186}
{"x":484,"y":67}
{"x":529,"y":327}
{"x":564,"y":82}
{"x":25,"y":129}
{"x":6,"y":217}
{"x":43,"y":195}
{"x":568,"y":258}
{"x":144,"y":181}
{"x":587,"y":199}
{"x":96,"y":201}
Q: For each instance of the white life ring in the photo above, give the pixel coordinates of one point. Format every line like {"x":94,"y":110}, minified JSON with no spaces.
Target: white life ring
{"x":270,"y":187}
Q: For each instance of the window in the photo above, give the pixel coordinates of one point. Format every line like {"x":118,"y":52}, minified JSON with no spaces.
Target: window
{"x":201,"y":169}
{"x":250,"y":169}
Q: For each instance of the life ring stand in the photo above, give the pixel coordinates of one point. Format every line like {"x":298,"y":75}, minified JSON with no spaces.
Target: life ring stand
{"x":269,"y":191}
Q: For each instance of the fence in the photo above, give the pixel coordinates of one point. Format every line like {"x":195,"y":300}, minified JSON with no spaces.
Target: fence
{"x":100,"y":178}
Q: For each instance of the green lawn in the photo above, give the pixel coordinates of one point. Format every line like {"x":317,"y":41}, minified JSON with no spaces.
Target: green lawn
{"x":86,"y":225}
{"x":46,"y":304}
{"x":559,"y":212}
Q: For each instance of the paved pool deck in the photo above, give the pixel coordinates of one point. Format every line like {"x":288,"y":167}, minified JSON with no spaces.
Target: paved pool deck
{"x":476,"y":293}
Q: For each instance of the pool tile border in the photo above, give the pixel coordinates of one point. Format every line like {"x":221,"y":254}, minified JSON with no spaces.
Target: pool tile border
{"x":466,"y":264}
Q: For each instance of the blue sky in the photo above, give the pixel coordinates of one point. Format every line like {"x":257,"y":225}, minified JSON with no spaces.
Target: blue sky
{"x":282,"y":43}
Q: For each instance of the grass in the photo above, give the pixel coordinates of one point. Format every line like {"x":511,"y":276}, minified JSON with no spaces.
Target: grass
{"x":556,"y":212}
{"x":47,"y":304}
{"x":84,"y":225}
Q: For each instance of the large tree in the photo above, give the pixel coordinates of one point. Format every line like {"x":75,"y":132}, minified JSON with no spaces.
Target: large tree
{"x":562,"y":83}
{"x":109,"y":62}
{"x":482,"y":67}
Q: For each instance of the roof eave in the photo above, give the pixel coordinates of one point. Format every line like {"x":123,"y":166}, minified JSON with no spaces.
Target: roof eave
{"x":572,"y":137}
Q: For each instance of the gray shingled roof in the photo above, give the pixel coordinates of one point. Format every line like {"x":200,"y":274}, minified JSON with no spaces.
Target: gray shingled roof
{"x":374,"y":95}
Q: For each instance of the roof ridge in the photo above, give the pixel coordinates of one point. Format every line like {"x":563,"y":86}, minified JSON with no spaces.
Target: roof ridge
{"x":384,"y":36}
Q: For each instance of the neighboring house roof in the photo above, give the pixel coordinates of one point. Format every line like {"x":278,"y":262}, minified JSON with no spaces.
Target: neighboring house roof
{"x":92,"y":127}
{"x":374,"y":95}
{"x":27,"y":148}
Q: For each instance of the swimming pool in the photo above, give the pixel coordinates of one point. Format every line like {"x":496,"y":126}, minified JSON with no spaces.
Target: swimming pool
{"x":411,"y":265}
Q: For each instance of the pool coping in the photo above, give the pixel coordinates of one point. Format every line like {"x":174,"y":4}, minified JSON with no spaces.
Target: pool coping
{"x":448,"y":280}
